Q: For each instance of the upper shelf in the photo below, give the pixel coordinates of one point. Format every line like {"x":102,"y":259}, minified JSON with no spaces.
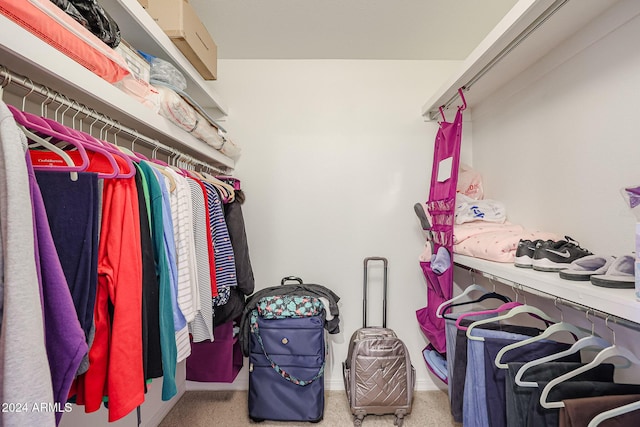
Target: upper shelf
{"x":142,"y":32}
{"x":27,"y":55}
{"x":618,"y":302}
{"x":530,"y":30}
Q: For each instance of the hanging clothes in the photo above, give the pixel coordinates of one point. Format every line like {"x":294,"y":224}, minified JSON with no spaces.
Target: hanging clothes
{"x":72,"y":208}
{"x":187,"y":280}
{"x":167,"y":328}
{"x":64,"y":337}
{"x":116,"y":354}
{"x":26,"y":376}
{"x":202,"y":327}
{"x":112,"y":268}
{"x":151,"y":348}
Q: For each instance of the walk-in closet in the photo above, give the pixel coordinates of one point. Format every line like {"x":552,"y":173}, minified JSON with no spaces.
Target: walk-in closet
{"x":171,"y":170}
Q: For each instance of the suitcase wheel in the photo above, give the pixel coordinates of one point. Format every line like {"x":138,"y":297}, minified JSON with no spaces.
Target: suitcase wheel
{"x":257,"y":420}
{"x":398,"y":421}
{"x":357,"y":420}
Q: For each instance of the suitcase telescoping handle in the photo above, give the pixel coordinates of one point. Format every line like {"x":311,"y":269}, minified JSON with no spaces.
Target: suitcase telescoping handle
{"x":289,"y":278}
{"x":384,"y":290}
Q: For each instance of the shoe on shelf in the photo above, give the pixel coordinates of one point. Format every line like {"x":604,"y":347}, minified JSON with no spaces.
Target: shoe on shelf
{"x":620,"y":275}
{"x":526,"y":249}
{"x":557,"y":256}
{"x":583,"y":268}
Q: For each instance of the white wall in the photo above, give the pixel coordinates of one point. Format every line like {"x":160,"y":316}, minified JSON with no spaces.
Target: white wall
{"x":559,"y":142}
{"x":335,"y":154}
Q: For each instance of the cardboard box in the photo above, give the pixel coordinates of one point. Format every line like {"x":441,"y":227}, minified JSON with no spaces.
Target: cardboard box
{"x":181,"y":23}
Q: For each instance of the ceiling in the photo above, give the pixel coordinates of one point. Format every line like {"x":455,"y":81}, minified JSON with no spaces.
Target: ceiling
{"x":349,"y":29}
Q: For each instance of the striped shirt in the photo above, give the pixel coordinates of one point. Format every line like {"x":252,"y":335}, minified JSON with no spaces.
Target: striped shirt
{"x":202,"y":327}
{"x":223,"y":251}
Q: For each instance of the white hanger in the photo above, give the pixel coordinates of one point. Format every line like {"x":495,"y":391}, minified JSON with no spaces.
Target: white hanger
{"x":629,"y":407}
{"x":529,"y":309}
{"x":590,"y":341}
{"x":586,"y":342}
{"x":561,"y":326}
{"x":467,"y":291}
{"x":39,"y":141}
{"x":556,"y":327}
{"x":609,"y":352}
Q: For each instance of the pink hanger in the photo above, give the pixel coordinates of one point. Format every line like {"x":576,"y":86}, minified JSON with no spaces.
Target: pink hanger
{"x":90,"y":139}
{"x":38,"y":124}
{"x":159,"y":162}
{"x":235,"y":182}
{"x":444,"y":119}
{"x":464,"y":101}
{"x":503,"y":307}
{"x":71,"y":137}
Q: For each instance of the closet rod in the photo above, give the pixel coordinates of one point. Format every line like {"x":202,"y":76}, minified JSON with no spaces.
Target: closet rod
{"x":580,"y":307}
{"x":548,"y":13}
{"x":178,"y":157}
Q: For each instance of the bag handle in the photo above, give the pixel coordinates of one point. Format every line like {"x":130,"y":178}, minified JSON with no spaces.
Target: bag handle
{"x":385,"y":263}
{"x":284,"y":374}
{"x":290,"y":278}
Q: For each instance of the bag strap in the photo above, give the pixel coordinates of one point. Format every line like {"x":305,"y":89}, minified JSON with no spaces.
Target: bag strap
{"x":284,"y":374}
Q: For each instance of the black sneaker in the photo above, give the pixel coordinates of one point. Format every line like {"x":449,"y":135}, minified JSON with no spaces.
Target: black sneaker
{"x":525,"y":251}
{"x":558,"y":256}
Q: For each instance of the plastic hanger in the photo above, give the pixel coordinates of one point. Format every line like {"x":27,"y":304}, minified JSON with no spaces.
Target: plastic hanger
{"x":38,"y":141}
{"x":553,"y":329}
{"x":161,"y":166}
{"x":583,"y":343}
{"x":561,"y":326}
{"x":227,"y":191}
{"x":37,"y":124}
{"x":607,"y":353}
{"x":473,"y":287}
{"x":502,"y":308}
{"x":520,"y":309}
{"x":71,"y":136}
{"x":483,"y":297}
{"x":234,"y":182}
{"x":112,"y":149}
{"x":629,"y":407}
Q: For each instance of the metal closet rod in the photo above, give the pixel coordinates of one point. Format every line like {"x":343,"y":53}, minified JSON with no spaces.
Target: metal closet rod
{"x":178,"y":157}
{"x":548,"y":13}
{"x":580,"y":307}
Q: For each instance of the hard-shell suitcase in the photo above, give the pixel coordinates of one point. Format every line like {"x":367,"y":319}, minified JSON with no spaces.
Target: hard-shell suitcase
{"x":286,"y":369}
{"x":378,"y":375}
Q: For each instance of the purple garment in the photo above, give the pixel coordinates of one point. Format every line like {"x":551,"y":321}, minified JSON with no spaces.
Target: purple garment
{"x":65,"y":341}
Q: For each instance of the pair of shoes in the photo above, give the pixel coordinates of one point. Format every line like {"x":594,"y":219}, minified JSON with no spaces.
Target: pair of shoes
{"x":558,"y":255}
{"x":526,"y":250}
{"x":603,"y":271}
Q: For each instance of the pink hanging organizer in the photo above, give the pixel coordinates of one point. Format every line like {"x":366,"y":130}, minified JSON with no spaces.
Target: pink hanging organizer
{"x":441,"y":208}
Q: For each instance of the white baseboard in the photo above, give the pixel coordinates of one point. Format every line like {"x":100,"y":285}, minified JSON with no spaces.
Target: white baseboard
{"x":159,"y":415}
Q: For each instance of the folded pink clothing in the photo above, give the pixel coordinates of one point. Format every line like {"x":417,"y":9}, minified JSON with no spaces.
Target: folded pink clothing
{"x":462,"y":232}
{"x":498,"y":245}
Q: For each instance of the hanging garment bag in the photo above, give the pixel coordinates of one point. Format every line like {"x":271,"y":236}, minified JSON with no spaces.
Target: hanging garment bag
{"x":441,"y":208}
{"x":378,"y":375}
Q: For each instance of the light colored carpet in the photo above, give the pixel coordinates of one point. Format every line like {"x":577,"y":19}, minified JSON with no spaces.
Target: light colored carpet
{"x":229,"y":409}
